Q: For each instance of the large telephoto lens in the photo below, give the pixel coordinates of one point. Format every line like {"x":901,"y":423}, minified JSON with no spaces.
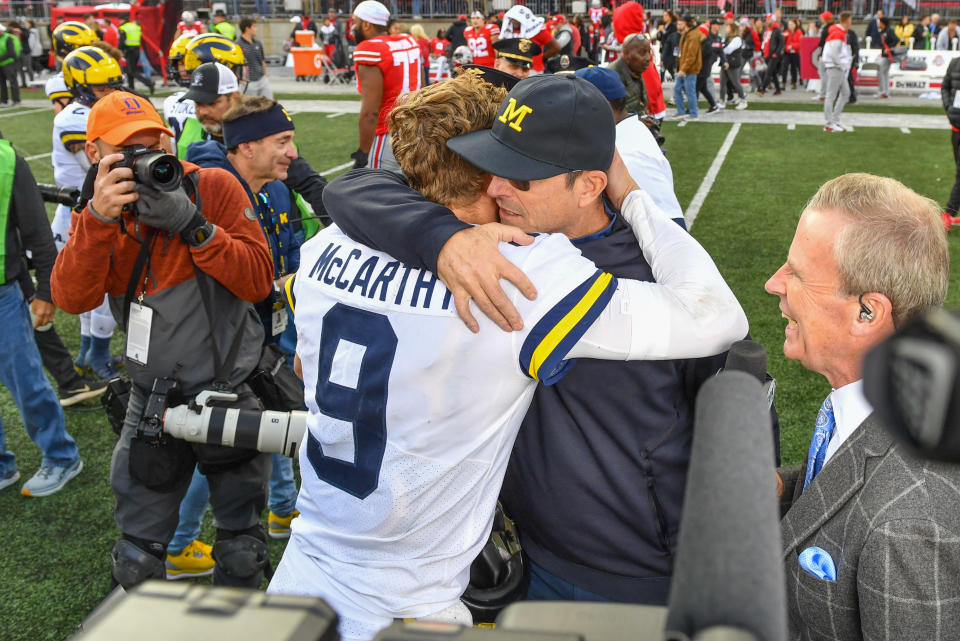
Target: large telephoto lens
{"x":160,"y":171}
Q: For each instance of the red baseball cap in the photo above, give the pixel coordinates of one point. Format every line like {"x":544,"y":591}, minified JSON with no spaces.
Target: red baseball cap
{"x":728,"y":15}
{"x":438,"y":47}
{"x":462,"y":16}
{"x":826,"y":15}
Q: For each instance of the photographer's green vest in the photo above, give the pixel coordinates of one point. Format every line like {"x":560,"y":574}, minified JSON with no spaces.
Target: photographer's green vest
{"x":226,"y":29}
{"x":8,"y":164}
{"x":6,"y":39}
{"x":131,"y":34}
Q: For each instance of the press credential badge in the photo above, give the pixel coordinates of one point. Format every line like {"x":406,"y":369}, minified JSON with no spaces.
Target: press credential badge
{"x":138,"y":333}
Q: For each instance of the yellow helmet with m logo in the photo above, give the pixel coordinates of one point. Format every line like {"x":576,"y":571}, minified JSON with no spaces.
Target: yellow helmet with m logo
{"x":69,"y":35}
{"x":178,"y":49}
{"x":87,"y":68}
{"x":213,"y":47}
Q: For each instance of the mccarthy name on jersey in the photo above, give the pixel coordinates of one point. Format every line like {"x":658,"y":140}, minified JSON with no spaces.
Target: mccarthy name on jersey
{"x":412,"y":417}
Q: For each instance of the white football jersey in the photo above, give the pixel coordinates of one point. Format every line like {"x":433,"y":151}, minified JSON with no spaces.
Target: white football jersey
{"x":412,"y":418}
{"x":69,"y":168}
{"x":176,"y":113}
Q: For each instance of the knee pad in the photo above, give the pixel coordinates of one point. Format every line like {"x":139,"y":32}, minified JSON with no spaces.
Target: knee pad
{"x":240,"y":561}
{"x":131,"y":565}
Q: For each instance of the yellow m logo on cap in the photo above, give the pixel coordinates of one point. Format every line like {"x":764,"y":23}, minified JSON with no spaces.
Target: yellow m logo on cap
{"x":513,"y":116}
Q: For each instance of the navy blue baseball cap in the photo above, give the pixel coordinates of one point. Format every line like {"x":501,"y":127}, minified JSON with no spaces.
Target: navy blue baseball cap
{"x":548,"y":125}
{"x":606,"y":80}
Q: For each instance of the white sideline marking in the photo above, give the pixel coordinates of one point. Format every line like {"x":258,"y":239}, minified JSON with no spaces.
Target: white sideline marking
{"x":339,"y":113}
{"x":694,"y":208}
{"x":791,"y":126}
{"x":337,"y":168}
{"x":38,"y":156}
{"x":905,"y":130}
{"x":26,"y":110}
{"x":682,"y":123}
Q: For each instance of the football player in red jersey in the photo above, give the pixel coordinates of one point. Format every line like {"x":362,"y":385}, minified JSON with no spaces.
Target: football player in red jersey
{"x":597,"y":11}
{"x":480,"y":38}
{"x":189,"y":26}
{"x":387,"y":66}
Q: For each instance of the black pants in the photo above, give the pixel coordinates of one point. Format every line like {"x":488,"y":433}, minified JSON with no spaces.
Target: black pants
{"x":54,"y":354}
{"x":790,"y":66}
{"x":954,"y":201}
{"x":772,"y":73}
{"x":853,"y":87}
{"x":8,"y":74}
{"x":131,"y":56}
{"x":57,"y":360}
{"x":702,"y":79}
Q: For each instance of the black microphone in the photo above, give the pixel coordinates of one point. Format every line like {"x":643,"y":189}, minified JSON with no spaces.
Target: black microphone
{"x":729,"y":571}
{"x":751,"y":357}
{"x":912,"y":379}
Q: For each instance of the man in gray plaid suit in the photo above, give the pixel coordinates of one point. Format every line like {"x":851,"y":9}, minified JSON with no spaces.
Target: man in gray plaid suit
{"x":871,"y":541}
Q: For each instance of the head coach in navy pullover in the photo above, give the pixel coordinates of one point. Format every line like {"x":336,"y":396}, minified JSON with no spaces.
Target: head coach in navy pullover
{"x":597,"y":477}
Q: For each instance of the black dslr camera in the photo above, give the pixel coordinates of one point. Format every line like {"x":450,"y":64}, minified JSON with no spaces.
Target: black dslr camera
{"x":156,"y":169}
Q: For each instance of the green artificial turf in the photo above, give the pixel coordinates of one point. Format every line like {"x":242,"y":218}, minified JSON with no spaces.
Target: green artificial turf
{"x":54,"y":557}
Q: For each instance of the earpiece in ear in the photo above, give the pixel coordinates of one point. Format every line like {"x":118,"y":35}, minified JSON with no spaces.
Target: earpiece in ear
{"x":865,"y":313}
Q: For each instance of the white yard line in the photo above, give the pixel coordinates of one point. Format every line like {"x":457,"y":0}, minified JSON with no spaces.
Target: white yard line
{"x":339,"y":113}
{"x":905,"y":130}
{"x":27,"y":110}
{"x":39,"y":156}
{"x":694,"y":208}
{"x":791,"y":126}
{"x":337,"y":168}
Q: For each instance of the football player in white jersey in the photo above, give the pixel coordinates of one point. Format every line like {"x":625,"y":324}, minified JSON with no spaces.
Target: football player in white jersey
{"x":89,"y":73}
{"x":412,"y":416}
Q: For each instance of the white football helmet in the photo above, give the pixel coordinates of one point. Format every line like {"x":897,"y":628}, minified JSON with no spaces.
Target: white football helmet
{"x":462,"y":55}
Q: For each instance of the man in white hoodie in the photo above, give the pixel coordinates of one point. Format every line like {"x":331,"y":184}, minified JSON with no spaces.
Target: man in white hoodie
{"x":837,"y":58}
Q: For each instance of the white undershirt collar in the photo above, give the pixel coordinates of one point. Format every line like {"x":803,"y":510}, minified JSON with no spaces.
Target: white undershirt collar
{"x":850,"y":409}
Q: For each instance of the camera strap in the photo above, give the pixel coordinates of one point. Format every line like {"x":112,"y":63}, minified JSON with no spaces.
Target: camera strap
{"x":221,"y":368}
{"x":143,"y":260}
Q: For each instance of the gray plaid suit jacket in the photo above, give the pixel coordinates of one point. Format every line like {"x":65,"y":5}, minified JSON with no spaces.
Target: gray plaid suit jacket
{"x":891,"y":522}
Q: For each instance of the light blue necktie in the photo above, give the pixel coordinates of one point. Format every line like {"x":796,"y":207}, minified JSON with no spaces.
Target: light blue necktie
{"x":817,"y":453}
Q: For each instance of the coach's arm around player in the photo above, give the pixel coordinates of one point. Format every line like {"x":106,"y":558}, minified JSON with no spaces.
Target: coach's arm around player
{"x":698,"y":305}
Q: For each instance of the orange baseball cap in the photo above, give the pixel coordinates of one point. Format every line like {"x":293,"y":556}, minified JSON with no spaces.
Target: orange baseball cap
{"x":119,"y":115}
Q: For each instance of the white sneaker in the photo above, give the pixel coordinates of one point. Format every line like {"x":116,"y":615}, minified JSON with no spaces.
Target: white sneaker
{"x":741,"y":105}
{"x":11,"y":477}
{"x":50,"y":479}
{"x":838,"y":127}
{"x":818,"y":98}
{"x":678,"y":117}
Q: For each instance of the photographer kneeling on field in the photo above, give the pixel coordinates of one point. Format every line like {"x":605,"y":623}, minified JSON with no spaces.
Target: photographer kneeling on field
{"x":171,"y":254}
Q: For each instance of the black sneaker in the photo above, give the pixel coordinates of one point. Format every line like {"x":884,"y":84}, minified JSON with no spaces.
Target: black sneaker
{"x":87,"y":390}
{"x":714,"y":109}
